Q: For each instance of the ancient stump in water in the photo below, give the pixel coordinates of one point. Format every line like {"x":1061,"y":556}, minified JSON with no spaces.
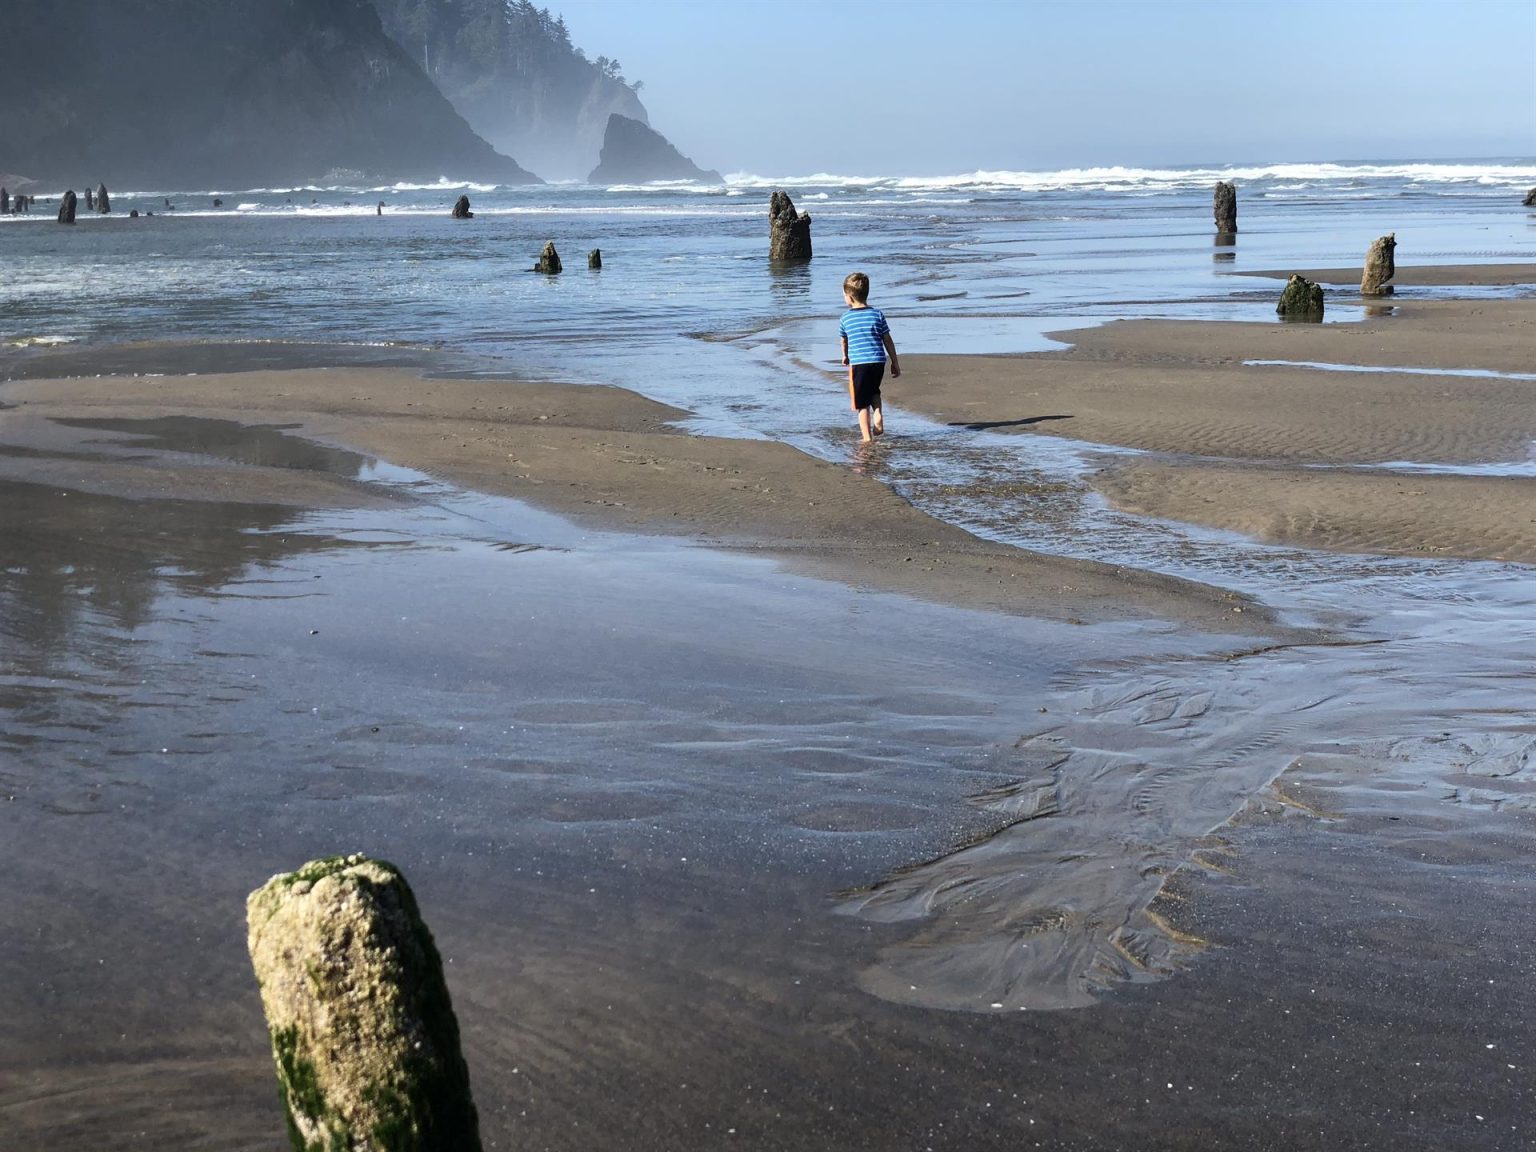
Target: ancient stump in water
{"x":364,"y":1036}
{"x":789,"y":232}
{"x":103,"y":201}
{"x":549,"y":259}
{"x":5,"y":202}
{"x":461,"y":209}
{"x":1530,"y":198}
{"x":1301,"y":300}
{"x":1225,"y":206}
{"x":67,"y":208}
{"x":595,"y":259}
{"x":1379,"y":267}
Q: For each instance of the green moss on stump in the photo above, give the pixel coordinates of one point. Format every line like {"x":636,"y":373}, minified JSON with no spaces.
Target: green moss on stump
{"x":1301,"y":300}
{"x":363,"y":1031}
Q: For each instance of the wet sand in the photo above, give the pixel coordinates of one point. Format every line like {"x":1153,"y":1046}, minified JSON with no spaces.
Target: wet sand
{"x":715,"y":852}
{"x":606,"y":456}
{"x":1286,"y":452}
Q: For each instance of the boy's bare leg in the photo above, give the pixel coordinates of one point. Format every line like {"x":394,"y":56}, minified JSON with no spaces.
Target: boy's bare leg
{"x":864,"y":423}
{"x":876,"y":420}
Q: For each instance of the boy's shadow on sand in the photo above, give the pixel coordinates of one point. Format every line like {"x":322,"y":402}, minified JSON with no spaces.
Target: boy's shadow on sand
{"x":986,"y":425}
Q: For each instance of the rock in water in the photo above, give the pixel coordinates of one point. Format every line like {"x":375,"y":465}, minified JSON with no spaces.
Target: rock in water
{"x":595,"y":259}
{"x":1530,"y":198}
{"x":634,"y":153}
{"x":789,"y":232}
{"x":364,"y":1036}
{"x":1301,"y":300}
{"x":103,"y":202}
{"x":5,"y":202}
{"x":549,"y":259}
{"x":90,"y":199}
{"x":461,"y":209}
{"x":1379,"y":267}
{"x":67,"y":208}
{"x":1225,"y":205}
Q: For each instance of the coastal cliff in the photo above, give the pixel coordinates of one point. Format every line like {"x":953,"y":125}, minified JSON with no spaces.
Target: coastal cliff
{"x":514,"y":73}
{"x":242,"y":93}
{"x":634,"y":153}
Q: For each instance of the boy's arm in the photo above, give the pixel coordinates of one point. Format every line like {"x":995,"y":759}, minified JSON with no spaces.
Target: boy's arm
{"x":890,"y":351}
{"x":845,"y":348}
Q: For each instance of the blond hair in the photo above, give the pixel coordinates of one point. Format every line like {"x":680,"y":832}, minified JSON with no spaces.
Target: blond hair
{"x":856,"y":284}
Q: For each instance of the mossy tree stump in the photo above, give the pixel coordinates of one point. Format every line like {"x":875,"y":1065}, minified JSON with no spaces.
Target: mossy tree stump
{"x":364,"y":1035}
{"x":789,"y":231}
{"x":1224,"y":205}
{"x":1380,"y":266}
{"x":549,"y":260}
{"x":1301,"y":300}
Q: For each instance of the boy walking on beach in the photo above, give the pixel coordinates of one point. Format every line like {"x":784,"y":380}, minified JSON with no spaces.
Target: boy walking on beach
{"x":866,"y":344}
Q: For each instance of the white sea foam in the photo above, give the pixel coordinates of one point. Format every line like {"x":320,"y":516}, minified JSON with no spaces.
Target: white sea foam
{"x":39,"y":341}
{"x":1497,"y":173}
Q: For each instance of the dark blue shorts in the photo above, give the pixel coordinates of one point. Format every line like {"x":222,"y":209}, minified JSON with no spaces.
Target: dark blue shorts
{"x":866,"y":384}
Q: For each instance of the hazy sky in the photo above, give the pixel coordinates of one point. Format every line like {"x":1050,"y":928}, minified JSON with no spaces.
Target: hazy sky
{"x":923,"y":87}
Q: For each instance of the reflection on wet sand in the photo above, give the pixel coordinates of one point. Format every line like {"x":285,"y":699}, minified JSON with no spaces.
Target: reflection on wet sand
{"x":263,"y":445}
{"x":81,"y":573}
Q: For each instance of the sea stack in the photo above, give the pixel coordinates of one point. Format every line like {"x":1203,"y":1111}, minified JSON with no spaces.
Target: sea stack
{"x":67,"y":208}
{"x":549,"y":259}
{"x":1225,"y":205}
{"x":1379,"y":267}
{"x":789,"y":232}
{"x":635,"y":153}
{"x":461,"y":209}
{"x":363,"y":1033}
{"x":1301,"y":300}
{"x":595,"y":259}
{"x":103,"y":202}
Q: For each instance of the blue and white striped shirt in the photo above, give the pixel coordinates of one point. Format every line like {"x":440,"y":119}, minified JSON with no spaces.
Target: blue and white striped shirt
{"x":863,"y":329}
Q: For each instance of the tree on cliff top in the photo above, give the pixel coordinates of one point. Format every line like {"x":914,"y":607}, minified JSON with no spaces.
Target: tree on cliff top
{"x":511,"y":69}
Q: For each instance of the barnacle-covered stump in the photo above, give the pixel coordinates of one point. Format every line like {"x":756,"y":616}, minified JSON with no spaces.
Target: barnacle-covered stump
{"x":364,"y":1036}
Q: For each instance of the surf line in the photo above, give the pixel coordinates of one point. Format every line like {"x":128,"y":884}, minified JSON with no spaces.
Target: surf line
{"x":1325,"y":367}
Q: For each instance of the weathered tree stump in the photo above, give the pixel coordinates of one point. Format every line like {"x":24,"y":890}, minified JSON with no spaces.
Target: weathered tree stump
{"x":5,"y":202}
{"x":364,"y":1036}
{"x":1301,"y":300}
{"x":67,"y":208}
{"x":595,"y":259}
{"x":1379,"y":267}
{"x":90,"y":199}
{"x":1225,"y":206}
{"x":789,"y":232}
{"x":1530,"y":198}
{"x":103,"y":201}
{"x":461,"y":209}
{"x":549,"y":259}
